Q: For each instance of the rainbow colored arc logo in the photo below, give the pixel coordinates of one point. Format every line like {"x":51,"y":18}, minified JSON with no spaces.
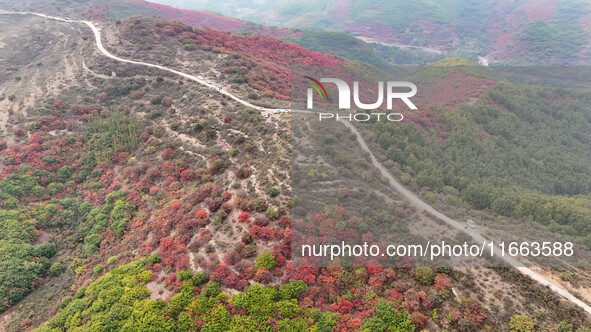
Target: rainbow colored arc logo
{"x":317,"y":87}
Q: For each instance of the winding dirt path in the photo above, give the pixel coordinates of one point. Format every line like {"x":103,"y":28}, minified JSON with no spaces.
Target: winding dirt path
{"x":393,"y":182}
{"x":401,"y":46}
{"x":460,"y":226}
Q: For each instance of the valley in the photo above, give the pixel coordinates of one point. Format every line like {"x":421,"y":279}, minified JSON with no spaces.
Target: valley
{"x":172,"y":145}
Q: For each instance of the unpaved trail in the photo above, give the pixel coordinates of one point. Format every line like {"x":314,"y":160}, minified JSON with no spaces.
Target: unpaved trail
{"x":401,"y":46}
{"x":393,"y":182}
{"x":460,"y":226}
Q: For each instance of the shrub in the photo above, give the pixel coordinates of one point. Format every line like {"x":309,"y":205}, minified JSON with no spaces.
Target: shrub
{"x":266,"y":261}
{"x":167,"y":101}
{"x":167,"y":154}
{"x":424,"y":275}
{"x":97,"y":269}
{"x":156,"y":100}
{"x":92,"y":244}
{"x":292,"y":290}
{"x":65,"y":301}
{"x":521,"y":323}
{"x":564,"y":326}
{"x":56,"y":269}
{"x":272,"y":214}
{"x":200,"y":278}
{"x":80,"y":293}
{"x":111,"y":260}
{"x":272,"y":192}
{"x":184,"y":275}
{"x":214,"y":205}
{"x":442,"y":281}
{"x":64,"y":173}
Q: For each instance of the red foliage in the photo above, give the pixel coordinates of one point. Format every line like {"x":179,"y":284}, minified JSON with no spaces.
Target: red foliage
{"x":220,"y":273}
{"x":442,"y":281}
{"x":168,"y":169}
{"x":373,"y":266}
{"x":416,"y":300}
{"x":473,"y":310}
{"x":36,"y":138}
{"x":201,"y":214}
{"x":345,"y":307}
{"x":189,"y":226}
{"x":234,"y":281}
{"x":187,"y":175}
{"x":232,"y":257}
{"x":405,"y":262}
{"x":264,"y":233}
{"x":214,"y":205}
{"x":167,"y":101}
{"x":243,"y":171}
{"x":167,"y":154}
{"x":419,"y":320}
{"x":173,"y":253}
{"x":204,"y":237}
{"x":243,"y":217}
{"x":264,"y":61}
{"x":19,"y":132}
{"x":284,"y":221}
{"x":58,"y":104}
{"x":121,"y":158}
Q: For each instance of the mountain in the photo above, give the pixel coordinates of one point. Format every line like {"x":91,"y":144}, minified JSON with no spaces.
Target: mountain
{"x":135,"y":195}
{"x":551,"y":32}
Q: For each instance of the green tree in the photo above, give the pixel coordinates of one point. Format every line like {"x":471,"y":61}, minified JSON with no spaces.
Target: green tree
{"x":424,"y":275}
{"x":64,"y":173}
{"x":389,"y":318}
{"x":266,"y":261}
{"x":272,"y":192}
{"x":292,"y":290}
{"x":56,"y":269}
{"x":521,"y":323}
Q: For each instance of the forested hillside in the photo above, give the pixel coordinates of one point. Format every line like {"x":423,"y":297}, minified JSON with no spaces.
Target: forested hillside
{"x":516,"y":32}
{"x":135,"y":199}
{"x":518,"y":151}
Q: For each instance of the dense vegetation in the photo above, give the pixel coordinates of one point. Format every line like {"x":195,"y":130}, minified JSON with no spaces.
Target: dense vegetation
{"x":519,"y":152}
{"x":560,"y":39}
{"x":522,"y":32}
{"x":157,"y":234}
{"x":42,"y":193}
{"x":21,"y":262}
{"x":261,"y":62}
{"x":347,"y":46}
{"x":119,"y":301}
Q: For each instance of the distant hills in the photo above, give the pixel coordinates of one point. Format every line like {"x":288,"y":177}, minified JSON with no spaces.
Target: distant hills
{"x":512,"y":32}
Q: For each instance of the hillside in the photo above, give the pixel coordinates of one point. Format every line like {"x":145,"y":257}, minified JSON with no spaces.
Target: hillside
{"x":134,"y":198}
{"x":516,"y":32}
{"x":335,"y":43}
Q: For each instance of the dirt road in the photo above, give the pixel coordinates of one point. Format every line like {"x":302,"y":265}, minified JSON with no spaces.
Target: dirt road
{"x":393,"y":182}
{"x":460,"y":226}
{"x":401,"y":46}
